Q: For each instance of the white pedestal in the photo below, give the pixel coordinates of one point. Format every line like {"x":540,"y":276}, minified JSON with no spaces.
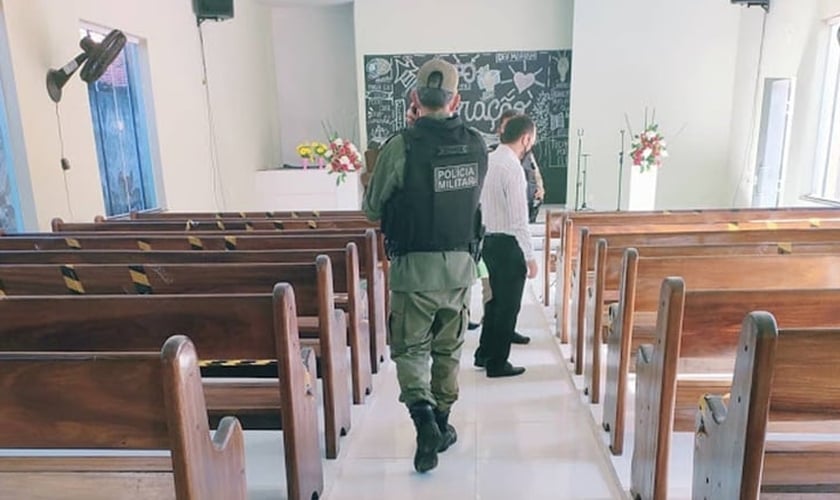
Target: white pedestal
{"x":642,"y":195}
{"x":311,"y":189}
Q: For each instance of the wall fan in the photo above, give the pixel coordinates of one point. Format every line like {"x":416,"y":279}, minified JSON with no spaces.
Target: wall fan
{"x":96,"y":57}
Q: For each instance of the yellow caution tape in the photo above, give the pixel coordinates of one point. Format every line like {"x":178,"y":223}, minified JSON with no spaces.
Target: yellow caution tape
{"x":73,"y":243}
{"x":140,"y":279}
{"x":71,"y":280}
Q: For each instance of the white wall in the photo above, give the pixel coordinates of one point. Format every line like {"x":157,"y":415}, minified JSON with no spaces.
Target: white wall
{"x":795,"y":44}
{"x":677,"y":56}
{"x":406,"y":26}
{"x":316,"y":75}
{"x":44,"y":34}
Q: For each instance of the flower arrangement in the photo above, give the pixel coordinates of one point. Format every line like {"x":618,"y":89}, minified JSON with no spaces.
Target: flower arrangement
{"x":343,"y":157}
{"x":649,"y":148}
{"x":312,"y":151}
{"x":340,"y":156}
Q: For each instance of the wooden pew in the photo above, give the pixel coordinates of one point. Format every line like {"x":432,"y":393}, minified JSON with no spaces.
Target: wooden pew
{"x":222,"y":327}
{"x":560,"y":223}
{"x":576,"y":242}
{"x":635,"y":320}
{"x":780,"y":376}
{"x":324,"y":328}
{"x":367,"y":242}
{"x":672,"y":234}
{"x":115,"y":401}
{"x":607,"y":280}
{"x":701,"y":326}
{"x":282,"y":214}
{"x":42,"y":268}
{"x":143,"y":226}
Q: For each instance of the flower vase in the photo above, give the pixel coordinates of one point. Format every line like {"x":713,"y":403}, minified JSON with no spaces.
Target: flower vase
{"x":642,"y":195}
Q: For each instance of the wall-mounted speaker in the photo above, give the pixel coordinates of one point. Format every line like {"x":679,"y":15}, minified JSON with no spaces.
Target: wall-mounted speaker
{"x":217,"y":10}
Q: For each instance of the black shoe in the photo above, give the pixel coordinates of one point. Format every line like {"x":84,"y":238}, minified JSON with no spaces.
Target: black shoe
{"x":520,"y":339}
{"x":428,"y":436}
{"x":447,"y":431}
{"x":480,"y":362}
{"x":473,"y":326}
{"x":507,"y":370}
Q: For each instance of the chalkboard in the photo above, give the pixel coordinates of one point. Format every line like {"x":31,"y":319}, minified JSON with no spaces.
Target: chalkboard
{"x":534,"y":82}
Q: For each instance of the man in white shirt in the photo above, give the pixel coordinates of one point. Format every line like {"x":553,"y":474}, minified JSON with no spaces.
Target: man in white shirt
{"x":507,"y":252}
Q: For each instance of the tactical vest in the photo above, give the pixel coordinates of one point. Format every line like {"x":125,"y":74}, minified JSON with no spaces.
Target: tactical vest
{"x":438,"y":207}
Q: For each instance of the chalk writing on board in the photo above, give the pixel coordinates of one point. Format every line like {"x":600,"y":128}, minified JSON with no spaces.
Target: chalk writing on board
{"x":533,"y":82}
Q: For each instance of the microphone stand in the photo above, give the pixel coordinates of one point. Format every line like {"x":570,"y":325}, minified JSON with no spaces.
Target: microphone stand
{"x":620,"y":172}
{"x":585,"y":168}
{"x":577,"y":175}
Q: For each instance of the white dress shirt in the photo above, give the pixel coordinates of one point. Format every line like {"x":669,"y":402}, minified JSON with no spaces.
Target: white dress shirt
{"x":504,"y":203}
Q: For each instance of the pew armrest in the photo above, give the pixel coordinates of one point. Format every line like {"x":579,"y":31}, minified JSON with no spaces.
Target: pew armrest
{"x":227,"y":477}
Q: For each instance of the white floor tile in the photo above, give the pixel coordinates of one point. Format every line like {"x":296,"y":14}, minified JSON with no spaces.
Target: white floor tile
{"x":523,"y":437}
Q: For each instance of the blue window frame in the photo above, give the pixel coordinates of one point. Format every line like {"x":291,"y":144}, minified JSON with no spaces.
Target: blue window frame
{"x":11,"y":219}
{"x":122,"y":134}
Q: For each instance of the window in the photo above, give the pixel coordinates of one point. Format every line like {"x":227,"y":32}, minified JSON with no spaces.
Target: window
{"x":122,"y":133}
{"x":10,"y":215}
{"x":827,"y":168}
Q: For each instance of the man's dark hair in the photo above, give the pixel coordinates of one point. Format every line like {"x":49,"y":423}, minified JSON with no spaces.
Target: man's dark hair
{"x":433,"y":98}
{"x":507,"y":115}
{"x":516,"y":128}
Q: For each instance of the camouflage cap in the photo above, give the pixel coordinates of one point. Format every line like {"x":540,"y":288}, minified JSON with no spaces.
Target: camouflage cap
{"x":438,"y":74}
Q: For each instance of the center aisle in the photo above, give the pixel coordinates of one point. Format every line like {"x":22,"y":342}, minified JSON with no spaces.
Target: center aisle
{"x":526,"y":437}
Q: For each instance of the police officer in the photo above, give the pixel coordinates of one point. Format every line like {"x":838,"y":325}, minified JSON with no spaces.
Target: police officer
{"x":425,"y":189}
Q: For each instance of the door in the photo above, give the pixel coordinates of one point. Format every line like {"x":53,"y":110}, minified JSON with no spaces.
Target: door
{"x":772,"y":142}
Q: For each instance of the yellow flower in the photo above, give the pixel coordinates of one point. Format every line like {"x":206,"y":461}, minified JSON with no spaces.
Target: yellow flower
{"x":320,"y":149}
{"x":304,"y":151}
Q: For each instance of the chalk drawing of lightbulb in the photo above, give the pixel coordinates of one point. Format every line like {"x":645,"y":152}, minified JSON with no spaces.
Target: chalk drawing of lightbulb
{"x":563,"y":67}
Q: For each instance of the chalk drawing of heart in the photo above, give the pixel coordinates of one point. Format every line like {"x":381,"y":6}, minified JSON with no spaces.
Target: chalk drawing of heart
{"x":523,"y":82}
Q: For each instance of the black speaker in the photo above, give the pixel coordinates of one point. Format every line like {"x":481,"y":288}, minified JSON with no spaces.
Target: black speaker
{"x":218,"y":10}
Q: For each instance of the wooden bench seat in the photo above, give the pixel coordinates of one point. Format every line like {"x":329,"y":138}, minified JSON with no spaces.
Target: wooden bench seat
{"x":606,"y":281}
{"x":312,"y":282}
{"x":151,"y":402}
{"x":702,"y":325}
{"x":275,"y":214}
{"x":232,"y":274}
{"x":221,"y":326}
{"x":699,"y":234}
{"x":372,"y":270}
{"x":559,"y":224}
{"x":641,"y":292}
{"x":143,"y":226}
{"x":780,"y":375}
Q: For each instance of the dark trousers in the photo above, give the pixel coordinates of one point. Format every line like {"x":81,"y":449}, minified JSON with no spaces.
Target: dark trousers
{"x":507,"y":268}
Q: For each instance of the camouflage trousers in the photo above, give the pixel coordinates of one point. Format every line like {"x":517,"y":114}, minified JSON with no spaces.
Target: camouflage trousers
{"x":427,"y":334}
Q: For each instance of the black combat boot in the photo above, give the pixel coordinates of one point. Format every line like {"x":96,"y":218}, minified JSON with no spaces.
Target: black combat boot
{"x":447,"y":431}
{"x":428,"y":436}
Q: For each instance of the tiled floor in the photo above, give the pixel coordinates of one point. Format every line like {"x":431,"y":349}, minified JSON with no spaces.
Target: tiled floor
{"x":527,"y":437}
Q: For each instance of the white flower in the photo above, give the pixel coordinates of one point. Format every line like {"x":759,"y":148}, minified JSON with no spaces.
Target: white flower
{"x":663,"y":143}
{"x":663,"y":154}
{"x":650,"y":135}
{"x":345,"y":160}
{"x":647,"y":152}
{"x":338,"y":142}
